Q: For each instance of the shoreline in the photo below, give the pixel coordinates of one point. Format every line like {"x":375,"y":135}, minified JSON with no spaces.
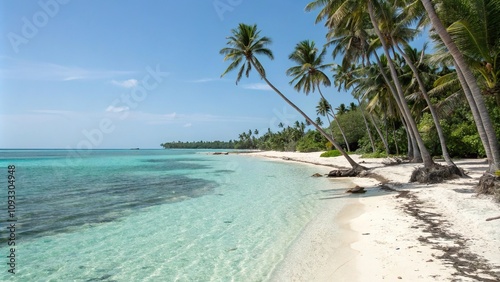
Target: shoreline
{"x":399,"y":230}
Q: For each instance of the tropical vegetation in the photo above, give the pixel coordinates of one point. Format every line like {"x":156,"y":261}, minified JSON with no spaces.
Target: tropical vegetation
{"x":439,"y":103}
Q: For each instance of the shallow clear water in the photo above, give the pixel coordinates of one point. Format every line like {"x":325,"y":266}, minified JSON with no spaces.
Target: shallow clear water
{"x":153,"y":215}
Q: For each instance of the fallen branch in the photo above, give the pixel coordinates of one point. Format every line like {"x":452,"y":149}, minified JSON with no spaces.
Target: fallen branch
{"x":493,"y":218}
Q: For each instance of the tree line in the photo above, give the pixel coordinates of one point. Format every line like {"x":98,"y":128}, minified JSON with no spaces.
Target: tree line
{"x":453,"y":93}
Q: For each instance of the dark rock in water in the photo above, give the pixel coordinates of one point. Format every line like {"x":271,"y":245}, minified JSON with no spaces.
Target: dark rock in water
{"x":316,"y":175}
{"x":220,"y":153}
{"x":356,"y":190}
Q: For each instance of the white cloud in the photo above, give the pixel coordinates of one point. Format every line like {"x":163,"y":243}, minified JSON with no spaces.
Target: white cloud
{"x":189,"y":119}
{"x":27,"y":70}
{"x":129,"y":83}
{"x":184,"y":120}
{"x":203,"y":80}
{"x":257,"y":86}
{"x":112,"y":109}
{"x":54,"y":112}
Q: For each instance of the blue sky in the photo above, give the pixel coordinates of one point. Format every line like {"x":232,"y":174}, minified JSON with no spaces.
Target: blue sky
{"x":122,"y":74}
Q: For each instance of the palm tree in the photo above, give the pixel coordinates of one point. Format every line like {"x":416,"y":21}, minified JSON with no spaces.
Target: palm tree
{"x":386,"y":12}
{"x":324,"y":109}
{"x":370,"y":86}
{"x":352,"y":107}
{"x":341,"y":109}
{"x":423,"y":92}
{"x":319,"y":121}
{"x":413,"y":148}
{"x":339,"y":14}
{"x":344,"y":78}
{"x":476,"y":31}
{"x":309,"y":73}
{"x":468,"y":81}
{"x":246,"y":42}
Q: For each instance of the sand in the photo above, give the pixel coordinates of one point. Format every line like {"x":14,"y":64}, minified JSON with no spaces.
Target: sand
{"x":433,"y":232}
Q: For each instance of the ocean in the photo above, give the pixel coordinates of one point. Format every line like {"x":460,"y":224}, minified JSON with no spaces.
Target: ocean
{"x":151,"y":215}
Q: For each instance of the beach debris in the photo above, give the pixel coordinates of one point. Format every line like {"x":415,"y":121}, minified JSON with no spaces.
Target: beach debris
{"x":220,"y":153}
{"x":393,"y":161}
{"x":356,"y":190}
{"x":343,"y":173}
{"x":489,"y":184}
{"x":493,"y":218}
{"x":365,"y":233}
{"x":438,"y":236}
{"x":316,"y":175}
{"x":403,"y":194}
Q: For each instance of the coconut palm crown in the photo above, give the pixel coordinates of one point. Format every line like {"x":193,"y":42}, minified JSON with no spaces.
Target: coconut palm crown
{"x":244,"y":43}
{"x":308,"y":73}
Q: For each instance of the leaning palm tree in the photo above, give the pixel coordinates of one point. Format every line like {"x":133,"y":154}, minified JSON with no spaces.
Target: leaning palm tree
{"x":423,"y":91}
{"x":383,"y":17}
{"x":246,"y":42}
{"x":338,"y":14}
{"x":308,"y":75}
{"x":469,"y":83}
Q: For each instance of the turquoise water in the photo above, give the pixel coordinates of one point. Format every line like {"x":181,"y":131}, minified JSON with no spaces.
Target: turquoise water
{"x":153,"y":215}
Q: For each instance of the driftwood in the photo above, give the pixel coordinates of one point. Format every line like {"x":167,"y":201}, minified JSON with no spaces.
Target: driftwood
{"x":393,"y":161}
{"x":493,"y":218}
{"x":343,"y":173}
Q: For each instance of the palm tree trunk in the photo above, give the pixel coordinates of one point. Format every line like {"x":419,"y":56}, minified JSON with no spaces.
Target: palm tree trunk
{"x":367,"y":126}
{"x":475,"y":114}
{"x":380,"y":134}
{"x":336,"y":121}
{"x":330,"y":125}
{"x":426,"y":157}
{"x":341,"y":131}
{"x":394,"y":137}
{"x":355,"y":166}
{"x":434,"y":114}
{"x":414,"y":153}
{"x":471,"y":83}
{"x":413,"y":150}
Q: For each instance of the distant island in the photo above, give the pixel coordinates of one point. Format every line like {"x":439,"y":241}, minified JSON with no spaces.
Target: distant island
{"x":200,"y":145}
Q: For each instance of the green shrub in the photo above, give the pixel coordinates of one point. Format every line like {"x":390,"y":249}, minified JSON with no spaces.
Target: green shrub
{"x":331,"y":153}
{"x":374,"y":155}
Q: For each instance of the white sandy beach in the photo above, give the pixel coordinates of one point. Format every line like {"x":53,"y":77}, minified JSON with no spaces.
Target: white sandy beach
{"x":435,"y":232}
